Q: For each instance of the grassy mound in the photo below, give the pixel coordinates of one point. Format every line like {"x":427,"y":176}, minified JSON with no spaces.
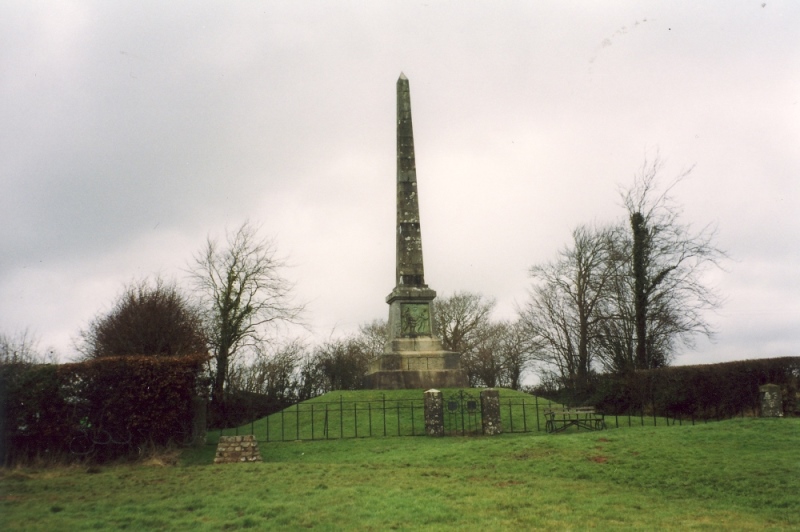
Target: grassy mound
{"x":376,"y":413}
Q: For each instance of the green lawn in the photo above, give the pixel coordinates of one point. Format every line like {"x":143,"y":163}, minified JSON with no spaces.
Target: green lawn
{"x":740,"y":474}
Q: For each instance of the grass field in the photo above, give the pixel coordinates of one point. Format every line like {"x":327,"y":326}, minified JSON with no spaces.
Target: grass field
{"x":735,"y":474}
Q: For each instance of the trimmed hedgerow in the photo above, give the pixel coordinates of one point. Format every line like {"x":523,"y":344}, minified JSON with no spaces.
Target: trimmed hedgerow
{"x":103,"y":409}
{"x":33,"y":413}
{"x":704,"y":391}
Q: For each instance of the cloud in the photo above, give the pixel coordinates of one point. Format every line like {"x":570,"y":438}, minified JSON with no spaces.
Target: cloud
{"x":130,"y":131}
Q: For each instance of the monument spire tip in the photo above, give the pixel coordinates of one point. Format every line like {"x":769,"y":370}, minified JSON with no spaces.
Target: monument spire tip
{"x":403,"y":76}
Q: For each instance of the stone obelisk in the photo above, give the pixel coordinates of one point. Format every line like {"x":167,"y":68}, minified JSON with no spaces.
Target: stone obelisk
{"x":413,"y":357}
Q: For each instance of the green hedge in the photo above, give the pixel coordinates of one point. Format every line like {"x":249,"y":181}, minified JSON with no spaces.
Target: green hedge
{"x":705,"y":391}
{"x":103,"y":408}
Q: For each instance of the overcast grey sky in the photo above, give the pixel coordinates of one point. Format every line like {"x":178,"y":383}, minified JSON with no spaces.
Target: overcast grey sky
{"x":131,"y":130}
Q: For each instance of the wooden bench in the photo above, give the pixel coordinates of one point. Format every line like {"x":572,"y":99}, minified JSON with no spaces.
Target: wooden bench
{"x":581,"y":417}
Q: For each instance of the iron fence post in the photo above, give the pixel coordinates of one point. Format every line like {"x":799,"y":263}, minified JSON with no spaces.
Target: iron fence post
{"x":461,"y":397}
{"x":524,"y":418}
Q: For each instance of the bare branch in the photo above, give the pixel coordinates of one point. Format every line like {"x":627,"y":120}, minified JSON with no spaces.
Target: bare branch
{"x":667,"y":262}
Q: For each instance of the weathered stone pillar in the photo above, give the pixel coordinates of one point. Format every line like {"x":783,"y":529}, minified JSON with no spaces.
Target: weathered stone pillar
{"x":771,"y":400}
{"x":490,"y":412}
{"x":434,"y":413}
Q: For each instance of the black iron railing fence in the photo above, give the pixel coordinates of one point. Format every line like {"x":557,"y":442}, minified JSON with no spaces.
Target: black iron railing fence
{"x":527,"y":415}
{"x":325,"y":420}
{"x":462,"y":413}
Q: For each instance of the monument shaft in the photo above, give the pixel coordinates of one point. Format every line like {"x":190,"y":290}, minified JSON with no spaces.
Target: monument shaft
{"x":410,"y":269}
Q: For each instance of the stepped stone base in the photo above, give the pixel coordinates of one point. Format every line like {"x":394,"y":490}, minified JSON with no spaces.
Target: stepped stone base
{"x":235,"y":449}
{"x":410,"y":380}
{"x":416,"y":370}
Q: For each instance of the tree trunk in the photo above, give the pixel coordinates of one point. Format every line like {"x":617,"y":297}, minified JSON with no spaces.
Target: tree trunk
{"x":640,"y":252}
{"x":583,"y":354}
{"x":218,"y":393}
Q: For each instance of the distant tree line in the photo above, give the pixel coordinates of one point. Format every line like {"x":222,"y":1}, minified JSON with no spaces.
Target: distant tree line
{"x":616,"y":299}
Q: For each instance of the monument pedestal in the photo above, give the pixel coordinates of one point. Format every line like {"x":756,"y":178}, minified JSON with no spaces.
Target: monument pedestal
{"x":414,"y":357}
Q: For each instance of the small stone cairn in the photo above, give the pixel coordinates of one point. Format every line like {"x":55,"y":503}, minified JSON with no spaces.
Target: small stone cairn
{"x":234,"y":449}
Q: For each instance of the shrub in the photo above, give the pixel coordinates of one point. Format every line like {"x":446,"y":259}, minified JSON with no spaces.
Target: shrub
{"x":149,"y":318}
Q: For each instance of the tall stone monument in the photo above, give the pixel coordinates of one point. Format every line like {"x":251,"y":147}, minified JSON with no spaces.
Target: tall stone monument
{"x":414,"y":356}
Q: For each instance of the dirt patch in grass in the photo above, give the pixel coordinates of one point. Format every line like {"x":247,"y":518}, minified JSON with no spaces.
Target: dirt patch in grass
{"x":508,"y":483}
{"x":529,"y":454}
{"x":599,"y":459}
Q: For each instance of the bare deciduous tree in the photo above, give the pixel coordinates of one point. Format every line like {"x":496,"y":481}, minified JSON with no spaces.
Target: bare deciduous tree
{"x":628,"y":295}
{"x":244,"y":294}
{"x":373,"y":336}
{"x":484,"y":363}
{"x":562,"y":317}
{"x":22,"y":348}
{"x":273,"y":373}
{"x":493,"y":353}
{"x":341,"y":364}
{"x":666,"y":264}
{"x":616,"y":343}
{"x":516,"y":353}
{"x":463,"y":321}
{"x":460,"y":318}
